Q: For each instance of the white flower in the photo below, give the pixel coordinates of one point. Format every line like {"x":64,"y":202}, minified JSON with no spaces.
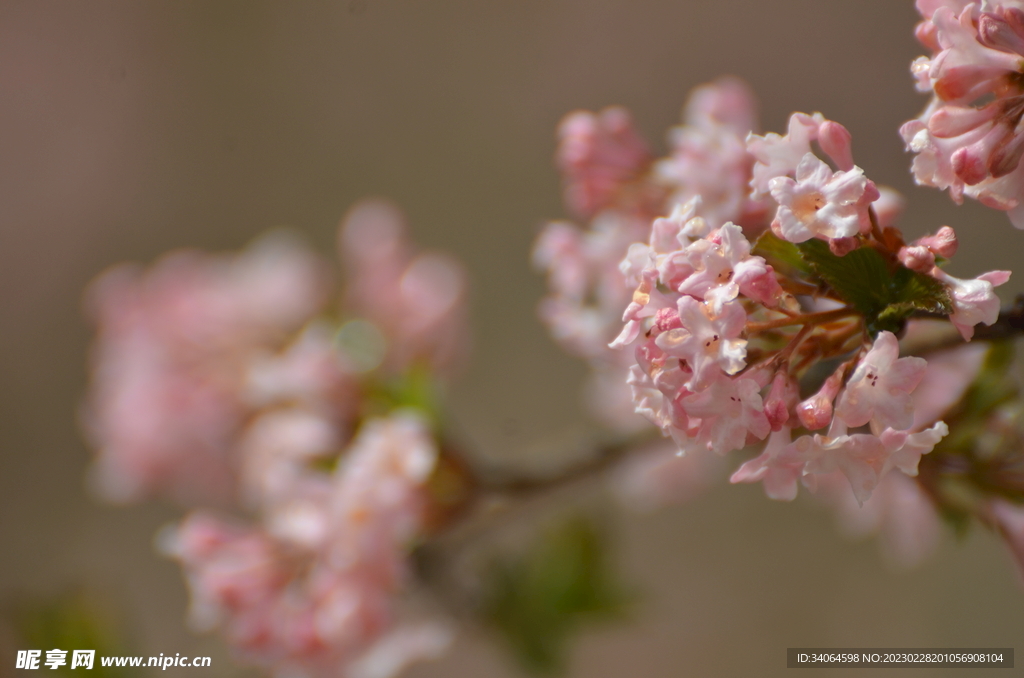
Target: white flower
{"x":819,"y":202}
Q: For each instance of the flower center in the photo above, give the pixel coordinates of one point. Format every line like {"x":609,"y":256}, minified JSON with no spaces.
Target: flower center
{"x":806,"y":206}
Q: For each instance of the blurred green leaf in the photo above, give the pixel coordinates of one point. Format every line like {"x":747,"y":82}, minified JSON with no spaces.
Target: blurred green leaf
{"x":74,"y":621}
{"x":416,"y":388}
{"x":983,"y":455}
{"x":539,"y":600}
{"x":994,"y":385}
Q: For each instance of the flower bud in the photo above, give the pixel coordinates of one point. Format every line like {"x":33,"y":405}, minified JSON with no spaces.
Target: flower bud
{"x":835,"y":141}
{"x":917,"y":258}
{"x":783,"y":395}
{"x":942,"y":244}
{"x":816,"y":412}
{"x":842,"y":246}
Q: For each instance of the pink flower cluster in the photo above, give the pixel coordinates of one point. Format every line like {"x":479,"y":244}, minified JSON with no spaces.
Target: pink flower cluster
{"x":227,"y":384}
{"x":970,"y":138}
{"x":170,"y":359}
{"x":611,"y":180}
{"x":314,"y":589}
{"x":704,"y":305}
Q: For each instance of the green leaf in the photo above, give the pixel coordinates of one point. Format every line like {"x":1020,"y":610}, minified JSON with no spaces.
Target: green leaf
{"x":919,"y":292}
{"x":781,"y":255}
{"x":540,"y":599}
{"x":861,"y":278}
{"x":885,"y":293}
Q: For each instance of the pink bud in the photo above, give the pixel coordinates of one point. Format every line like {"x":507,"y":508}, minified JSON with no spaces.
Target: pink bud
{"x":1015,"y":19}
{"x":816,"y":412}
{"x":942,"y":244}
{"x":764,"y":288}
{"x":1007,"y":156}
{"x":999,"y":34}
{"x":952,"y":121}
{"x":781,"y":398}
{"x":968,"y":166}
{"x":871,"y":193}
{"x":917,"y":258}
{"x":973,"y":164}
{"x":843,"y":246}
{"x":927,"y":34}
{"x":835,"y":141}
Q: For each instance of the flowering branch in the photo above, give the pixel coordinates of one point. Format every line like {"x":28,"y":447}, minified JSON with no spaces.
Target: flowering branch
{"x":747,"y":293}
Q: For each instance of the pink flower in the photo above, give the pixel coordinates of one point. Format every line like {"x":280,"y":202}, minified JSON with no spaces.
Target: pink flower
{"x":778,"y":156}
{"x":589,"y":279}
{"x":905,"y":449}
{"x":729,"y":410}
{"x":947,"y":378}
{"x":779,"y":467}
{"x":974,"y":301}
{"x":898,"y":511}
{"x":861,"y":457}
{"x":168,"y":388}
{"x":649,"y":401}
{"x":327,"y":606}
{"x":819,"y":203}
{"x":970,"y":139}
{"x":726,"y":102}
{"x":379,"y":503}
{"x":724,"y":269}
{"x":879,"y":389}
{"x":967,"y":67}
{"x":597,"y":155}
{"x":708,"y":342}
{"x":310,"y":369}
{"x":709,"y":157}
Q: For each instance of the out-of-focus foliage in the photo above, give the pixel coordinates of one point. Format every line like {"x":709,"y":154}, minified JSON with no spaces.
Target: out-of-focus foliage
{"x":74,"y":621}
{"x":539,"y":599}
{"x":982,"y":456}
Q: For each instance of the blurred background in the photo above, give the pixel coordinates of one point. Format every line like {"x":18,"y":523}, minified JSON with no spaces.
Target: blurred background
{"x":128,"y":129}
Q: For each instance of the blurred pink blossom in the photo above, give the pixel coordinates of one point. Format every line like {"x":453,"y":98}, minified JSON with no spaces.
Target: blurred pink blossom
{"x":597,"y":155}
{"x":320,"y":606}
{"x":899,"y":512}
{"x":415,"y":304}
{"x":170,"y":361}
